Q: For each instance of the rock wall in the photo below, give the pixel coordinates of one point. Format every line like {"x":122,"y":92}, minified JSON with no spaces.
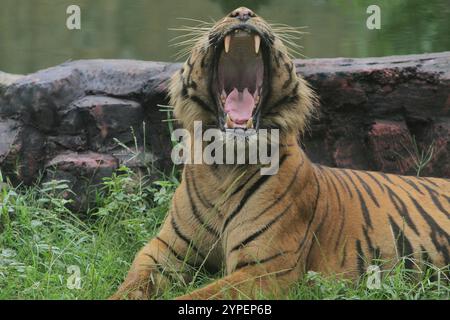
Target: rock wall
{"x":80,"y":120}
{"x":382,"y":114}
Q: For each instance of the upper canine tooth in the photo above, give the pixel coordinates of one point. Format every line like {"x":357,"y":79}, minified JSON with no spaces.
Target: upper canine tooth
{"x":249,"y":123}
{"x":257,"y":43}
{"x":227,"y":43}
{"x":223,"y":97}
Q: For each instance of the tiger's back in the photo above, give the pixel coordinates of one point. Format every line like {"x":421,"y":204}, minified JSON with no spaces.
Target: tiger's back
{"x":376,"y":216}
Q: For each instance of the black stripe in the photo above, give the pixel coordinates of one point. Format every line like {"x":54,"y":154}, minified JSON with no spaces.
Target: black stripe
{"x":429,"y":181}
{"x":401,"y":208}
{"x":375,"y":251}
{"x":313,"y":214}
{"x":200,"y":102}
{"x":242,"y":185}
{"x":403,"y":244}
{"x":277,"y":57}
{"x":197,"y":214}
{"x":250,"y":191}
{"x":152,"y":257}
{"x":202,"y":62}
{"x":435,"y":199}
{"x":341,"y":181}
{"x":436,"y":231}
{"x":214,"y":169}
{"x":175,"y":253}
{"x":425,"y":256}
{"x":411,"y":183}
{"x":171,"y":249}
{"x":244,"y":264}
{"x":341,"y":229}
{"x":160,"y":269}
{"x":446,"y":197}
{"x":344,"y":256}
{"x":202,"y":199}
{"x":366,"y":187}
{"x":386,"y":177}
{"x":281,"y":196}
{"x":340,"y":208}
{"x":362,"y":202}
{"x":205,"y":202}
{"x":426,"y":261}
{"x":360,"y":257}
{"x":256,"y":234}
{"x":336,"y":193}
{"x":294,"y":91}
{"x":187,"y":81}
{"x":370,"y":175}
{"x":184,"y":91}
{"x":315,"y":238}
{"x":191,"y":68}
{"x":303,"y":242}
{"x":289,"y":67}
{"x":188,"y":241}
{"x":327,"y":179}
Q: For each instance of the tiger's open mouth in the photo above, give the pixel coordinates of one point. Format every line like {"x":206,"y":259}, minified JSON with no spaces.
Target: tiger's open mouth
{"x":240,"y":82}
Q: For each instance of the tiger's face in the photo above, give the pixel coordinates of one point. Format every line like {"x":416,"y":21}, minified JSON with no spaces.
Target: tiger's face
{"x":239,"y":77}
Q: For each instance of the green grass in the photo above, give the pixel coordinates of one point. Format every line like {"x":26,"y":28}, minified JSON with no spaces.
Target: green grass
{"x":41,"y":241}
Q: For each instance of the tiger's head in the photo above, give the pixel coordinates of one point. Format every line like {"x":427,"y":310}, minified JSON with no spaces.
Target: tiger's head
{"x":239,"y":76}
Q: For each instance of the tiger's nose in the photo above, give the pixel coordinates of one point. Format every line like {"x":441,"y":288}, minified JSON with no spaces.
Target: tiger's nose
{"x":242,"y":14}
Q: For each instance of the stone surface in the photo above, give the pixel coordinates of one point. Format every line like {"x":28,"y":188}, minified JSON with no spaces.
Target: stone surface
{"x":83,"y":172}
{"x":6,"y":79}
{"x":79,"y":121}
{"x":374,"y":111}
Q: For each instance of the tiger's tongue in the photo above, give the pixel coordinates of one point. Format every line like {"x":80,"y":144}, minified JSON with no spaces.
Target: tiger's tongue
{"x":239,"y":106}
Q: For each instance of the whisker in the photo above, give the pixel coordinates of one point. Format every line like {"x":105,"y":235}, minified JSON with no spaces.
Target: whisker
{"x":189,"y":28}
{"x":287,"y":34}
{"x":185,"y":42}
{"x":197,"y":20}
{"x":190,"y":34}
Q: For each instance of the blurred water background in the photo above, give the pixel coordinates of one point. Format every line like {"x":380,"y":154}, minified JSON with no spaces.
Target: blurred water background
{"x":33,"y":33}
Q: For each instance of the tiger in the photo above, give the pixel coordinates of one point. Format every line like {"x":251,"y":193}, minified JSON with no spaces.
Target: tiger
{"x":264,"y":232}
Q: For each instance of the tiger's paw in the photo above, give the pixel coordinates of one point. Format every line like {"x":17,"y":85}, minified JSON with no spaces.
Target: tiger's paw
{"x":128,"y":295}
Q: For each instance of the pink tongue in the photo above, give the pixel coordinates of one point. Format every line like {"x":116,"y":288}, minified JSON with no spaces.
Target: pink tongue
{"x":240,"y":105}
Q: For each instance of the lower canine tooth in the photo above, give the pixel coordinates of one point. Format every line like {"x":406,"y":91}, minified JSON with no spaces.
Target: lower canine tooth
{"x":249,"y":123}
{"x":230,"y":124}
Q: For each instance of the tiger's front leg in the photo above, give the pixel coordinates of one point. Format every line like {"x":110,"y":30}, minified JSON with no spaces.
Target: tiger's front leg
{"x":251,"y":283}
{"x":147,"y":275}
{"x":165,"y":260}
{"x":257,"y":271}
{"x":263,"y":258}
